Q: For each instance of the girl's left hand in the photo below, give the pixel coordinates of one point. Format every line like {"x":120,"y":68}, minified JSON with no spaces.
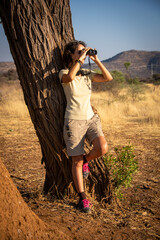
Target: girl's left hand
{"x":94,"y":57}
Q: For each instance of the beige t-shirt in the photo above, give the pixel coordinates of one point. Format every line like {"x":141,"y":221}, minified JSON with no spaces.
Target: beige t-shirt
{"x":78,"y":93}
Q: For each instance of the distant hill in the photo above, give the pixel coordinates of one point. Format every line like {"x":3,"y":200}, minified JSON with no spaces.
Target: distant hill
{"x":143,"y":63}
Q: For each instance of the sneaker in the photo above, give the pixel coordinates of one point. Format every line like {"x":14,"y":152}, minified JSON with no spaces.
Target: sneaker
{"x":85,"y":170}
{"x":84,"y":205}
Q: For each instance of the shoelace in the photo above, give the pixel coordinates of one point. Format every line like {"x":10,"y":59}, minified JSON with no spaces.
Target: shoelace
{"x":86,"y":203}
{"x":86,"y":167}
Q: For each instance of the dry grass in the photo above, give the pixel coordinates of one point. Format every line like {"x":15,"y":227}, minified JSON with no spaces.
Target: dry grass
{"x":112,"y":109}
{"x":145,"y":109}
{"x":21,"y":154}
{"x":12,"y":101}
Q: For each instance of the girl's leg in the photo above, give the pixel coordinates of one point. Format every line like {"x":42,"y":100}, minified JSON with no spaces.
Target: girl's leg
{"x":100,"y":147}
{"x":77,"y":162}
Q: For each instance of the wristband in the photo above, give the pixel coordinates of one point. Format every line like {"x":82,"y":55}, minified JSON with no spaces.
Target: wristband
{"x":79,"y":62}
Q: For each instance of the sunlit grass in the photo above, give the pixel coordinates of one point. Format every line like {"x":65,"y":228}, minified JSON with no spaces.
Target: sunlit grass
{"x":12,"y":101}
{"x":146,"y":109}
{"x":112,"y":109}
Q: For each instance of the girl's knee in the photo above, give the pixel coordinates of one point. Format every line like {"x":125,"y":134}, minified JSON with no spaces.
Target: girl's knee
{"x":100,"y":146}
{"x":103,"y":148}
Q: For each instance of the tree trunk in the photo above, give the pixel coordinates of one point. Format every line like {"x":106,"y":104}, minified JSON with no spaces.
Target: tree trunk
{"x":37,"y":31}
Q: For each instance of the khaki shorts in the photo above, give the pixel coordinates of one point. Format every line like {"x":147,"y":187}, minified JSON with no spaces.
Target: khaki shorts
{"x":75,"y":132}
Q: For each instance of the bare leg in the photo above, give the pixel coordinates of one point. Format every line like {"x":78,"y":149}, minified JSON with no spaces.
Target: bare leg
{"x":77,"y":162}
{"x":100,"y":147}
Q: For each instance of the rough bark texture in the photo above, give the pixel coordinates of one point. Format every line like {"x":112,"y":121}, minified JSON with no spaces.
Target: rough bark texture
{"x":37,"y":31}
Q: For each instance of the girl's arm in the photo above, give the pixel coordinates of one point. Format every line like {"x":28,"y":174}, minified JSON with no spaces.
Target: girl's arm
{"x":75,"y":67}
{"x":72,"y":72}
{"x":105,"y":76}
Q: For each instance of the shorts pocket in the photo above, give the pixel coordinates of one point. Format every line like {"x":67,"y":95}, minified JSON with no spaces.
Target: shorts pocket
{"x":69,"y":130}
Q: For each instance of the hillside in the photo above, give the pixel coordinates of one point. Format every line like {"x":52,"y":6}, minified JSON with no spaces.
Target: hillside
{"x":143,"y":63}
{"x":6,"y":66}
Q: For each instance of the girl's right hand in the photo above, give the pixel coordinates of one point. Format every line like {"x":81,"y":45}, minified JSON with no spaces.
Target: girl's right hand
{"x":83,"y":54}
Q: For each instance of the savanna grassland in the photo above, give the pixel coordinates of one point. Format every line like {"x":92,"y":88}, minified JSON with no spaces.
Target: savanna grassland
{"x":130,"y":114}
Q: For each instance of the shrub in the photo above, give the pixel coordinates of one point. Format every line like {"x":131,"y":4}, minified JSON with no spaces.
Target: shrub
{"x":112,"y":86}
{"x":122,"y":166}
{"x":134,"y":88}
{"x":156,"y":78}
{"x":11,"y":74}
{"x":133,"y":81}
{"x":118,"y":76}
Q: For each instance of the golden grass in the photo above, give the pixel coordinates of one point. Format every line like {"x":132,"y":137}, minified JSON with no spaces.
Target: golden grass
{"x":12,"y":101}
{"x":112,"y":109}
{"x":146,"y":109}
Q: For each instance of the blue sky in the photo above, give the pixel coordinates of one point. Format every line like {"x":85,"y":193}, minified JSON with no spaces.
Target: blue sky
{"x":111,"y":26}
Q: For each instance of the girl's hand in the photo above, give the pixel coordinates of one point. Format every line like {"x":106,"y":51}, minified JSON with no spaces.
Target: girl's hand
{"x":94,"y":57}
{"x":83,"y":54}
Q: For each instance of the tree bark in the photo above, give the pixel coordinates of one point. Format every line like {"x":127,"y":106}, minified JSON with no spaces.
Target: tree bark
{"x":37,"y":31}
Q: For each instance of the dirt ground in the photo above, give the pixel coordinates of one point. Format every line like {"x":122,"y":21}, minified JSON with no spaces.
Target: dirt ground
{"x":137,"y":216}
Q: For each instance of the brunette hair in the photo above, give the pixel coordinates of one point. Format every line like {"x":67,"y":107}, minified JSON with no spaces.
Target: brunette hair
{"x":70,"y":49}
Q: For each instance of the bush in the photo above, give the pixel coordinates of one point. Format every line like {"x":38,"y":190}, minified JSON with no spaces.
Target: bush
{"x":133,"y":81}
{"x":118,"y":76}
{"x":11,"y":74}
{"x":122,"y":166}
{"x":156,"y":78}
{"x":121,"y":81}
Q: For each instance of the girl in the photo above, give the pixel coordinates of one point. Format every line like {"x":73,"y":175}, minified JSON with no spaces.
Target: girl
{"x":80,"y":120}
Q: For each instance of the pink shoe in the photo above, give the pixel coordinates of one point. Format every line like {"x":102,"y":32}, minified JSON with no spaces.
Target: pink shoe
{"x":85,"y":170}
{"x":84,"y":205}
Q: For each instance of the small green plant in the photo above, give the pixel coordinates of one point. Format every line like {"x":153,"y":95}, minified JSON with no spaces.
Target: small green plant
{"x":122,"y":165}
